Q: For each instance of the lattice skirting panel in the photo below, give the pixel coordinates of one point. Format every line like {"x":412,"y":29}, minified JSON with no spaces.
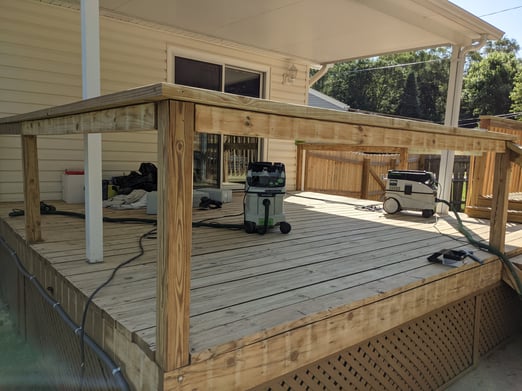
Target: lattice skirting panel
{"x":424,"y":354}
{"x":58,"y":351}
{"x":51,"y":358}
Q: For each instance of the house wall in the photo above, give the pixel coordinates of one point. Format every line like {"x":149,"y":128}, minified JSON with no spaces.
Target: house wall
{"x":40,"y":66}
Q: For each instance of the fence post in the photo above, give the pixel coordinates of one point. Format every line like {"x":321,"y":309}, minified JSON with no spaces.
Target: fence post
{"x":365,"y":179}
{"x":499,"y":204}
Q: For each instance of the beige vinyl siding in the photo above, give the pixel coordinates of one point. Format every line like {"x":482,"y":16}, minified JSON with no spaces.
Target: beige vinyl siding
{"x":285,"y":151}
{"x":40,"y":66}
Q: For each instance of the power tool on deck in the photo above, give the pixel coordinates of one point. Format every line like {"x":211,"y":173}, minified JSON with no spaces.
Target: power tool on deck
{"x":410,"y":190}
{"x":264,"y":193}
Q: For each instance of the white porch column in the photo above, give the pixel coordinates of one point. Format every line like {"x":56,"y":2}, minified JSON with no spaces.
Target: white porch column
{"x":451,"y":118}
{"x":447,"y":158}
{"x":90,"y":24}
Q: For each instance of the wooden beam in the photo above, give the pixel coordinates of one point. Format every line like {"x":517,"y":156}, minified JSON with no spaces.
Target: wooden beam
{"x":475,"y":184}
{"x":403,"y":160}
{"x":175,"y":136}
{"x":377,"y":179}
{"x":499,"y":206}
{"x":33,"y":221}
{"x":354,"y":148}
{"x":131,"y":118}
{"x":491,"y":122}
{"x":516,"y":153}
{"x":218,"y":120}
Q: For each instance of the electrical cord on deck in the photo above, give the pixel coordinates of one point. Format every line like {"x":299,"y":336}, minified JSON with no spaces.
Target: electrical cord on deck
{"x":209,"y":223}
{"x":486,"y":247}
{"x":103,"y":356}
{"x":149,"y":234}
{"x":371,"y":207}
{"x":46,"y":209}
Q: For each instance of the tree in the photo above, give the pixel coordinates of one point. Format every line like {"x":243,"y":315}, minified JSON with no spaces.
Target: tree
{"x":409,"y":103}
{"x":377,"y":84}
{"x":488,"y":84}
{"x":516,"y":94}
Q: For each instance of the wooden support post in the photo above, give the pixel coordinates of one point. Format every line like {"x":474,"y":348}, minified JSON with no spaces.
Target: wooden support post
{"x":403,"y":159}
{"x":300,"y":168}
{"x":365,"y":179}
{"x":476,"y":173}
{"x":499,"y":205}
{"x":476,"y":329}
{"x":175,"y":136}
{"x":33,"y":221}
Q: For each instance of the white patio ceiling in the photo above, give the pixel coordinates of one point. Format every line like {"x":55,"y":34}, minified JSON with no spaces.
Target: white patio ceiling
{"x":319,"y":32}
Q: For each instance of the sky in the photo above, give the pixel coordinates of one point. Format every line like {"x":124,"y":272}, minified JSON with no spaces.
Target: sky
{"x":503,"y":14}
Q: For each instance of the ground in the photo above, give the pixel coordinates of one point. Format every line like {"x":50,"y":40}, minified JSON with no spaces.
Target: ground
{"x":500,"y":370}
{"x":21,"y":368}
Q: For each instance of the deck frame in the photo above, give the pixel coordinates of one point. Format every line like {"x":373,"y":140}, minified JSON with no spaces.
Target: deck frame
{"x":177,"y":112}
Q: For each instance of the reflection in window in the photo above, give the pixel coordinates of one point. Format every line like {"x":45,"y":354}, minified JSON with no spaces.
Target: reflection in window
{"x":241,"y":82}
{"x":221,"y":158}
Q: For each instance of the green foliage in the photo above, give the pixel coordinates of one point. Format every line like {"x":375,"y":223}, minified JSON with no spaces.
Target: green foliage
{"x":505,"y":45}
{"x":377,"y":84}
{"x":488,"y":84}
{"x":492,"y":82}
{"x":409,"y":103}
{"x":516,"y":94}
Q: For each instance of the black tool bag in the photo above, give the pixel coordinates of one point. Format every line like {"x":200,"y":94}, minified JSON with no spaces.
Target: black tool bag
{"x":146,"y":178}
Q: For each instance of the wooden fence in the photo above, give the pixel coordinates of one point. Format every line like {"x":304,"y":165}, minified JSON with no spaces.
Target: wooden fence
{"x":480,"y":193}
{"x":349,"y":172}
{"x":360,"y":172}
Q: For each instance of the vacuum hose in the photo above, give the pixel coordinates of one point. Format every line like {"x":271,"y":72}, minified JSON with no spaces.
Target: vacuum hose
{"x":266,"y":204}
{"x":486,"y":247}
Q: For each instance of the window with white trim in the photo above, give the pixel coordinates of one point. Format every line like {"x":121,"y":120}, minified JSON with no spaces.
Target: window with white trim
{"x":221,"y":160}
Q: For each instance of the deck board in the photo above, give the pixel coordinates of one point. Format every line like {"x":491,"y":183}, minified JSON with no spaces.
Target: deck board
{"x":244,"y":287}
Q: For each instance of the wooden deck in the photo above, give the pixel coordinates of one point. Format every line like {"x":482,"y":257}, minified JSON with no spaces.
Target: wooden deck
{"x":234,"y":310}
{"x":339,"y":256}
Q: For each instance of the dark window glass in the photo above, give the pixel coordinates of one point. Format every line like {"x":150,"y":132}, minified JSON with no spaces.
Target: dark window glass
{"x":199,"y":74}
{"x":240,"y":82}
{"x":206,"y":160}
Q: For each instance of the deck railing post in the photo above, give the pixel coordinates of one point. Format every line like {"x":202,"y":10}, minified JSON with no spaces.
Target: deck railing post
{"x":33,"y":220}
{"x":175,"y":142}
{"x":499,"y":205}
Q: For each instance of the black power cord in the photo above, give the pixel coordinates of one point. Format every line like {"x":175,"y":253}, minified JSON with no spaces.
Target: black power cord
{"x":149,"y":235}
{"x":46,"y":209}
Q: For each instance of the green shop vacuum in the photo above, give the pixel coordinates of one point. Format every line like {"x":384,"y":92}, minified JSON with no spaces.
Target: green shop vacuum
{"x":264,"y":194}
